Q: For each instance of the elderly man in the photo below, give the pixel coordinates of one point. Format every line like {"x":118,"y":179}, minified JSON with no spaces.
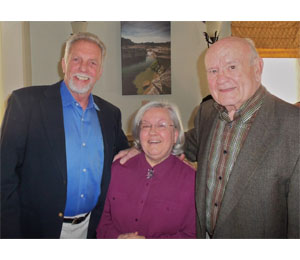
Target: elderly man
{"x":57,"y":146}
{"x":246,"y":144}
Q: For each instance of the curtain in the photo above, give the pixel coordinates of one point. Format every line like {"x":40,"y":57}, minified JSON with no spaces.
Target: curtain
{"x":272,"y":39}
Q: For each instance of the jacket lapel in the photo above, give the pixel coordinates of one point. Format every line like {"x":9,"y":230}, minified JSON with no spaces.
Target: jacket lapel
{"x":52,"y":116}
{"x":104,"y":129}
{"x":251,"y":156}
{"x":104,"y":121}
{"x":205,"y":140}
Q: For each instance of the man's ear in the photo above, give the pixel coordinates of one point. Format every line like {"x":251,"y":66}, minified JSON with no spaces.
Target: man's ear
{"x":63,"y":65}
{"x":258,"y":68}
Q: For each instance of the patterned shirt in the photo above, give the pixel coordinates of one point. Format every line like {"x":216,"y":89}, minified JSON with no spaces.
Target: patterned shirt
{"x":228,"y":139}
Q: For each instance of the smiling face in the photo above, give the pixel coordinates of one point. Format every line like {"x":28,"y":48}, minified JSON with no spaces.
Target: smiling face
{"x":83,"y":67}
{"x":157,"y":135}
{"x":233,"y":73}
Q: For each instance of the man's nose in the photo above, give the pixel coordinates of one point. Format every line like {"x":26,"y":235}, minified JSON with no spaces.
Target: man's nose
{"x":221,"y":77}
{"x":83,"y":66}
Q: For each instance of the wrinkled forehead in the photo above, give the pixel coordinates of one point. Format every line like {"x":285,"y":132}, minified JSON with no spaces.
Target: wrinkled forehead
{"x":156,"y":113}
{"x":85,"y":42}
{"x":226,"y":52}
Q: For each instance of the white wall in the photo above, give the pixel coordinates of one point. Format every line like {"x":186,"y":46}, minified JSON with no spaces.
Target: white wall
{"x":187,"y":46}
{"x":281,"y":78}
{"x":15,"y":59}
{"x":12,"y":56}
{"x":2,"y":107}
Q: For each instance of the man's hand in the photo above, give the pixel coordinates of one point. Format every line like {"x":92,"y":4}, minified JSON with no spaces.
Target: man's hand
{"x":186,"y":161}
{"x":181,"y":157}
{"x":125,"y":155}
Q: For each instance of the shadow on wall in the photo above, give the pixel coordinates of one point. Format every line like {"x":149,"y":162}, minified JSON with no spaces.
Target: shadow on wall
{"x":59,"y":67}
{"x":3,"y":107}
{"x":192,"y":118}
{"x":203,"y":85}
{"x":204,"y":90}
{"x":130,"y":121}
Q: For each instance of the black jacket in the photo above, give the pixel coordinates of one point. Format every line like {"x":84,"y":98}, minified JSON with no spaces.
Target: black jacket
{"x":33,"y":162}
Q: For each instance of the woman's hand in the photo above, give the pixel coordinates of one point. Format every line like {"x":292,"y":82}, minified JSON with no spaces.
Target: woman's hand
{"x":130,"y":236}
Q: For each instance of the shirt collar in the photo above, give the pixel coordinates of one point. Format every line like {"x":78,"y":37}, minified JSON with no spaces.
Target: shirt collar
{"x":68,"y":99}
{"x":163,"y":166}
{"x":246,"y":110}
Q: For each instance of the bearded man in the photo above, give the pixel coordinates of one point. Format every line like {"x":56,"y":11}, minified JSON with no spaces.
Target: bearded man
{"x":57,"y":146}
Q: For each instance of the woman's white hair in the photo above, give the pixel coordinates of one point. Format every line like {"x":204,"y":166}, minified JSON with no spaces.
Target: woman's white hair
{"x":175,"y":117}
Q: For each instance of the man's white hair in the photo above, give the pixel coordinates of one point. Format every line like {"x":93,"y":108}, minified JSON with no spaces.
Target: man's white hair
{"x":85,"y":36}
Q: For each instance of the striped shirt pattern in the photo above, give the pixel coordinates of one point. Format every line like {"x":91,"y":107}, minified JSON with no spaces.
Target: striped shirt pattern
{"x":228,"y":138}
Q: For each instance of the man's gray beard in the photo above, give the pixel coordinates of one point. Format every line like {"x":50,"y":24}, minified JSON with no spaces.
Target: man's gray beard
{"x":81,"y":90}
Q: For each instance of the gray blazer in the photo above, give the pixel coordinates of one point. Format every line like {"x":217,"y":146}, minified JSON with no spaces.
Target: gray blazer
{"x":261,"y":199}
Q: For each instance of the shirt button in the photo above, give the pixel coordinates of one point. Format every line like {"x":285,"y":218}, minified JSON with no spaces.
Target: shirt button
{"x":136,"y":220}
{"x":216,"y":204}
{"x":220,"y":178}
{"x":225,"y":152}
{"x":82,"y":196}
{"x":60,"y":214}
{"x":77,"y":104}
{"x":84,"y":170}
{"x":83,"y":144}
{"x":82,"y":119}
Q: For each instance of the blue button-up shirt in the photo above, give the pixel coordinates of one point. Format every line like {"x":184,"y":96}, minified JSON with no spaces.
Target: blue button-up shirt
{"x":84,"y":153}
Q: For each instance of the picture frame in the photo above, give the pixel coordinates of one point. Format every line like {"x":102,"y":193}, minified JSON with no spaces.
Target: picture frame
{"x":146,"y":58}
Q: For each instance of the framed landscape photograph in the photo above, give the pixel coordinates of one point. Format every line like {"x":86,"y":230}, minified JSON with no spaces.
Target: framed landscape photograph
{"x":146,"y":58}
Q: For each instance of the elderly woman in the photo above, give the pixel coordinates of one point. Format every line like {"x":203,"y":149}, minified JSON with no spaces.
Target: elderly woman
{"x":152,"y":194}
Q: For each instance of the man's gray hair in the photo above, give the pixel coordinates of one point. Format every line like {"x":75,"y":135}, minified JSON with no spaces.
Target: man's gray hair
{"x":254,"y":54}
{"x":85,"y":36}
{"x":175,"y":117}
